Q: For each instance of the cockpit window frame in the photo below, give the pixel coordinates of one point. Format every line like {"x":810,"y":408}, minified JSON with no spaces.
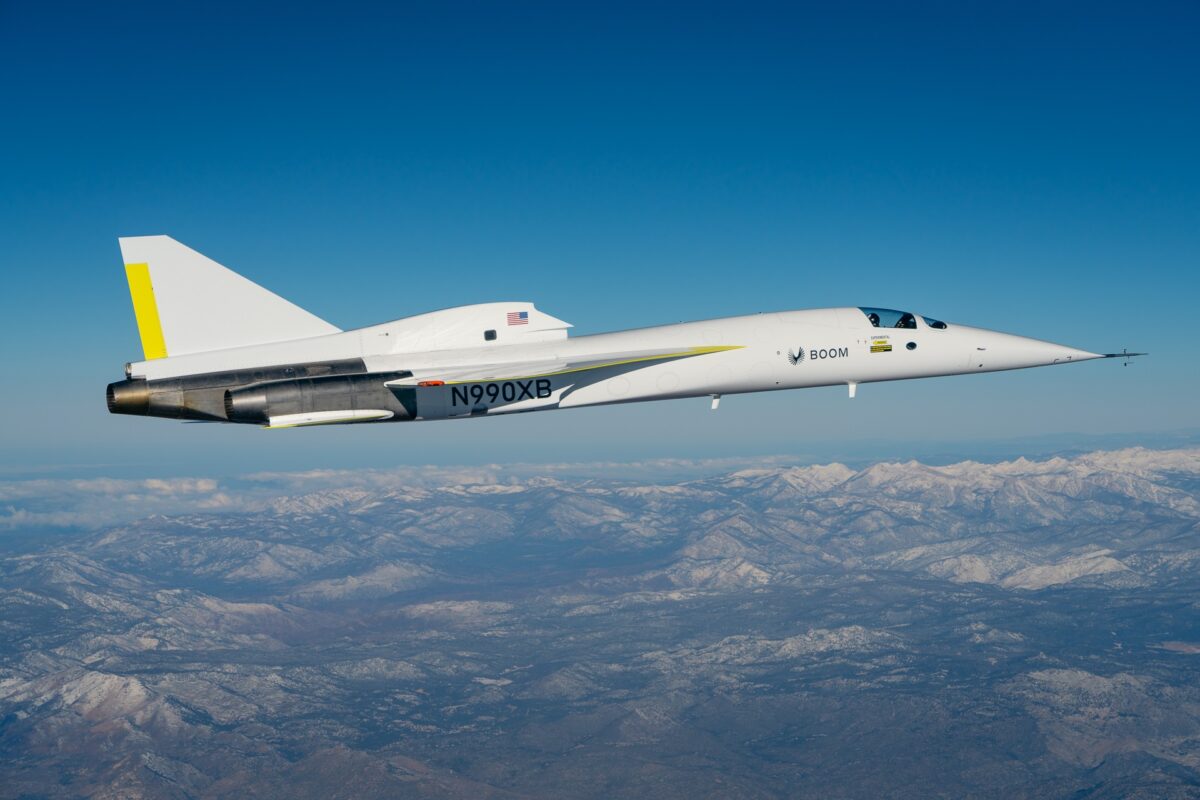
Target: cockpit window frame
{"x":889,"y":318}
{"x":934,"y":324}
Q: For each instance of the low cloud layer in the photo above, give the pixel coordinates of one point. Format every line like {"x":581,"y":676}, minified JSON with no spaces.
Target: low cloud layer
{"x":96,"y":502}
{"x":101,"y":502}
{"x":46,"y":503}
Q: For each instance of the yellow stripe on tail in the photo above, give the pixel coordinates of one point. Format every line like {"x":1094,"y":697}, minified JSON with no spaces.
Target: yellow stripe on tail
{"x":145,"y":308}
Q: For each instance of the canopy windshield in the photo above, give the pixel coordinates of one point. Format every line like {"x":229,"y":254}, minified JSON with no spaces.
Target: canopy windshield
{"x":889,"y":318}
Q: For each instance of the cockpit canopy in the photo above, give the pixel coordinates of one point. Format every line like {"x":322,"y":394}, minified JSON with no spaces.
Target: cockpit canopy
{"x":891,"y":318}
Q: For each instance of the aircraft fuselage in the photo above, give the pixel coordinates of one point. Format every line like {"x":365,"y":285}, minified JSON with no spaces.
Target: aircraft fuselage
{"x":374,"y":374}
{"x":221,"y":348}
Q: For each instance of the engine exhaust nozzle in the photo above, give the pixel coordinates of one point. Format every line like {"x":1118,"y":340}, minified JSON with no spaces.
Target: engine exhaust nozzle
{"x":128,"y":397}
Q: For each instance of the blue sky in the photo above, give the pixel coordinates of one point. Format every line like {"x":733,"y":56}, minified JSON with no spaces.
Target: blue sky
{"x":1030,"y":168}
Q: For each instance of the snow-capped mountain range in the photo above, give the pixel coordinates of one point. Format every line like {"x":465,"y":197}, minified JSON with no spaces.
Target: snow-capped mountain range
{"x":1030,"y":625}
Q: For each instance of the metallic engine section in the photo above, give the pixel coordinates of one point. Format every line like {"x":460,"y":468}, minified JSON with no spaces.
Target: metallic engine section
{"x":261,"y":401}
{"x":202,"y":397}
{"x":128,"y":397}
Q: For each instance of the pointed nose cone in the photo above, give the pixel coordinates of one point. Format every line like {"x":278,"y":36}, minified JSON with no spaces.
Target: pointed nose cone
{"x":993,"y":350}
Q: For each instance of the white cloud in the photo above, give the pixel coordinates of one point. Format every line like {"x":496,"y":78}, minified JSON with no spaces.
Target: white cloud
{"x":97,"y":502}
{"x":101,"y":502}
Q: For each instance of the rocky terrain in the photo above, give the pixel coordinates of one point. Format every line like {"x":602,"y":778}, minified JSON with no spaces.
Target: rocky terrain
{"x":1021,"y":629}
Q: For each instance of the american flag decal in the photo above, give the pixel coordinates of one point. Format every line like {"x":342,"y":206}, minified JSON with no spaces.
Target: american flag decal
{"x":518,"y":318}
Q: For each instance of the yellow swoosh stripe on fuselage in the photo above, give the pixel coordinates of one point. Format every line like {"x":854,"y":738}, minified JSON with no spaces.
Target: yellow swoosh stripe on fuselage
{"x":695,"y":351}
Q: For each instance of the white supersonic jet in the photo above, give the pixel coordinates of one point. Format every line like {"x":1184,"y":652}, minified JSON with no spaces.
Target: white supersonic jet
{"x":221,"y":348}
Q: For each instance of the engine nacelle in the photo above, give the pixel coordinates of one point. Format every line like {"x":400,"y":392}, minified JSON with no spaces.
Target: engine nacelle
{"x":203,"y":396}
{"x":128,"y":397}
{"x":260,"y":402}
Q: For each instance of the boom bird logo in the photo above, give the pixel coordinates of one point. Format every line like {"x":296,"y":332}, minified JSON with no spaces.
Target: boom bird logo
{"x":796,"y":357}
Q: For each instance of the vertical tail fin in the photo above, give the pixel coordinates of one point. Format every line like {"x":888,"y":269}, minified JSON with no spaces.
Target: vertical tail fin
{"x":187,"y":303}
